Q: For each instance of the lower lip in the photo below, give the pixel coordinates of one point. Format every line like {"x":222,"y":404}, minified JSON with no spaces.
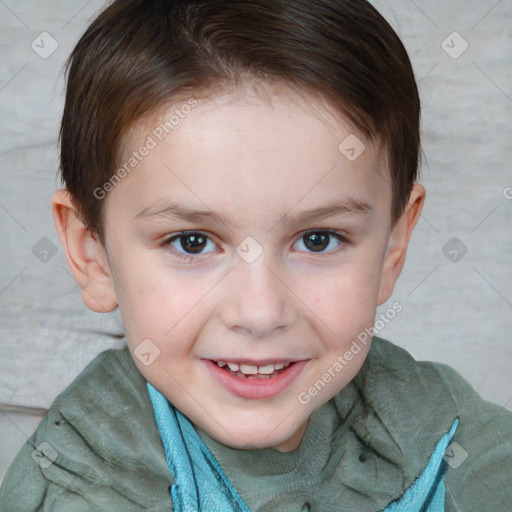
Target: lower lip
{"x":254,"y":388}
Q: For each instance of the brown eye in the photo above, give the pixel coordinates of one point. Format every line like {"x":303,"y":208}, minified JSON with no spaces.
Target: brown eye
{"x":190,"y":243}
{"x":193,"y":243}
{"x":316,"y":242}
{"x":320,"y":240}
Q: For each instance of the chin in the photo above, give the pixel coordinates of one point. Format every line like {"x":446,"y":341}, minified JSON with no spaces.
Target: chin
{"x":259,"y":436}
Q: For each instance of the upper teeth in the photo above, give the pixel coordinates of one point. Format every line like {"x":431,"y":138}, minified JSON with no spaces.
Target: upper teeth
{"x":248,"y":369}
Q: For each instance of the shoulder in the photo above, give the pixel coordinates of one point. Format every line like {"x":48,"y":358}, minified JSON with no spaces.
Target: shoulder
{"x":97,"y":448}
{"x":419,"y":400}
{"x":425,"y":385}
{"x":433,"y":383}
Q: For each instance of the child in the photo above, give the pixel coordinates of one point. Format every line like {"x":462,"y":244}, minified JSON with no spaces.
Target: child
{"x":241,"y":181}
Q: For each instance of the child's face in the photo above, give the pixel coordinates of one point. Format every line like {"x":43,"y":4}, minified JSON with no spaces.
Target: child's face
{"x":259,"y":166}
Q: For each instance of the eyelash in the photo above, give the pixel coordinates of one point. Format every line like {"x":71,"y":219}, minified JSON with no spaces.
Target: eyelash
{"x":185,"y":256}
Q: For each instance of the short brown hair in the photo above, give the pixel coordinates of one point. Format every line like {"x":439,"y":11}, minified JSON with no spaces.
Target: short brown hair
{"x":139,"y":55}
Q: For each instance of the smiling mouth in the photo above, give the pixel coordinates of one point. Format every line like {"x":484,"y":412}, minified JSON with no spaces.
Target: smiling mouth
{"x":254,"y":372}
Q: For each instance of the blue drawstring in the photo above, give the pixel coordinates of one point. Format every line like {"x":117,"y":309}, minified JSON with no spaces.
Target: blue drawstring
{"x":199,"y":482}
{"x":427,"y":494}
{"x":201,"y":485}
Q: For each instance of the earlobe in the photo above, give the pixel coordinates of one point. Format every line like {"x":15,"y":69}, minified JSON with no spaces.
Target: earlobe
{"x":85,"y":255}
{"x":398,"y":242}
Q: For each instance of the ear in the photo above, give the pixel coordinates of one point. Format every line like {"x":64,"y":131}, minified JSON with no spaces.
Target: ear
{"x":398,"y":242}
{"x":86,"y":256}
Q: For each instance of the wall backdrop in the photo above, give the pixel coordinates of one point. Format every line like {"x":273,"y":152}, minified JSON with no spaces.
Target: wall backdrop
{"x":456,"y":287}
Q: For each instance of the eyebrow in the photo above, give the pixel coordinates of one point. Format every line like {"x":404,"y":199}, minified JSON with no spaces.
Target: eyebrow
{"x":175,"y":210}
{"x":349,"y":206}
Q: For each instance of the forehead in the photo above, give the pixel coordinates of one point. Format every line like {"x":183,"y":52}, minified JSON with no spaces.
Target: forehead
{"x":275,"y":146}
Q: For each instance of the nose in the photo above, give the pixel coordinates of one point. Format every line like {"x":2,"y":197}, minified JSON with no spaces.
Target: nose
{"x":258,"y":303}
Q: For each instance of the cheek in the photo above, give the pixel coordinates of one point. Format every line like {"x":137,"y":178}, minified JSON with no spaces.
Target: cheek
{"x":349,"y":292}
{"x":151,"y":310}
{"x":151,"y":300}
{"x":163,"y":304}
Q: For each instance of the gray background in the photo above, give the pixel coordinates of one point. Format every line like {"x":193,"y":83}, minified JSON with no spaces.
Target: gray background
{"x":455,"y":312}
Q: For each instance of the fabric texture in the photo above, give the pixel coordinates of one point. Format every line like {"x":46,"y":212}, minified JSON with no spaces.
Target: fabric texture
{"x":199,"y":482}
{"x":99,"y":447}
{"x":427,"y":494}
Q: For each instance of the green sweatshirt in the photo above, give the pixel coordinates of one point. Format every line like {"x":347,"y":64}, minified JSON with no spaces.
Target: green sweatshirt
{"x":361,"y":451}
